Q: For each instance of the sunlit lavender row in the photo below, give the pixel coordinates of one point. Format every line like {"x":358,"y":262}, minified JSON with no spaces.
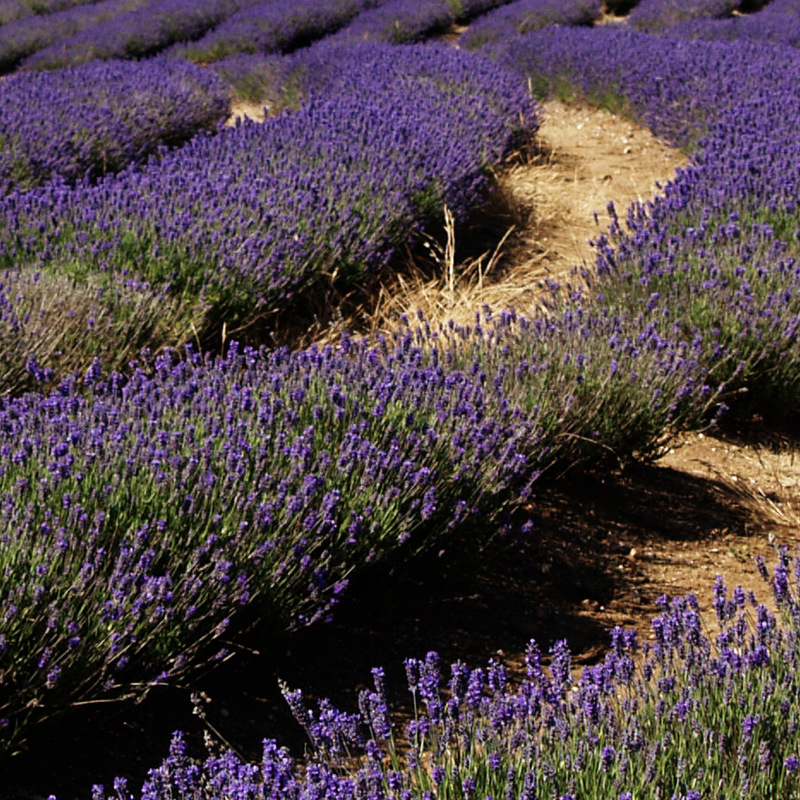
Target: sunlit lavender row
{"x":234,"y":224}
{"x":23,"y":37}
{"x":100,"y":117}
{"x":524,"y":16}
{"x":139,"y":33}
{"x":400,"y":21}
{"x":657,"y":15}
{"x":724,"y":235}
{"x":273,"y":27}
{"x":708,"y":708}
{"x":778,"y":22}
{"x":145,"y":517}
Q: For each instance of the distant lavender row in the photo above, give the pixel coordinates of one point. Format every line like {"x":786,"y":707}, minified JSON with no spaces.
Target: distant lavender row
{"x":272,"y":27}
{"x":99,"y":117}
{"x":282,"y":83}
{"x":706,"y":709}
{"x":256,"y":74}
{"x":240,"y":221}
{"x":779,"y":23}
{"x":25,"y":36}
{"x":523,"y":16}
{"x":11,"y":10}
{"x":136,"y":34}
{"x":657,"y":15}
{"x":400,"y":21}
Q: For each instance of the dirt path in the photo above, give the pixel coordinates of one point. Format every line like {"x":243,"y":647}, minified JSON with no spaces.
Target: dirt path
{"x":584,"y":158}
{"x":587,"y":158}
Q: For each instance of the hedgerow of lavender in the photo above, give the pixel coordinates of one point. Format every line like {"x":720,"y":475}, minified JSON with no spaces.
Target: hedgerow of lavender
{"x":694,"y":713}
{"x":22,"y":37}
{"x":654,"y":16}
{"x":141,"y":32}
{"x":241,"y":221}
{"x":524,"y":16}
{"x":100,"y":117}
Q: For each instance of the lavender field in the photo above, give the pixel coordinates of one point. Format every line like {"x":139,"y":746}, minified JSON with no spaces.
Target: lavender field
{"x":174,"y":483}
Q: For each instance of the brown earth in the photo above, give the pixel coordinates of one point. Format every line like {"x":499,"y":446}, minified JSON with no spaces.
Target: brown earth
{"x":604,"y":546}
{"x":539,"y":220}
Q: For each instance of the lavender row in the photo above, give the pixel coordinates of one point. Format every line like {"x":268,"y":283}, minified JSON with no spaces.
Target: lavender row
{"x":778,"y":22}
{"x":11,"y":10}
{"x":143,"y":517}
{"x":272,"y":27}
{"x":246,"y":47}
{"x":99,"y":117}
{"x":705,"y":709}
{"x":238,"y":222}
{"x":138,"y":33}
{"x":401,"y":21}
{"x":657,"y":15}
{"x":23,"y":37}
{"x":523,"y":16}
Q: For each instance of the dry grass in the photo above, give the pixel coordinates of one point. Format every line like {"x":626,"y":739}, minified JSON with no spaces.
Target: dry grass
{"x":769,"y":487}
{"x":536,"y":226}
{"x":544,"y":210}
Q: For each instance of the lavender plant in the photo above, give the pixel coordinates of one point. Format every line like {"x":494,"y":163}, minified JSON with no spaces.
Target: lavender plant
{"x":143,"y":517}
{"x":693,"y":713}
{"x":138,"y":33}
{"x":11,"y":10}
{"x":657,"y":15}
{"x":51,"y":325}
{"x":23,"y":37}
{"x":238,"y":222}
{"x":98,"y":118}
{"x":719,"y":247}
{"x":272,"y":27}
{"x":257,"y":78}
{"x":777,"y":23}
{"x":400,"y":21}
{"x":523,"y":16}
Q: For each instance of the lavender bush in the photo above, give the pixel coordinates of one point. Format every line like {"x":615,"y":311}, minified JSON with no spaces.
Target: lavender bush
{"x":400,"y":21}
{"x":692,"y":714}
{"x":137,"y":33}
{"x":272,"y":27}
{"x":657,"y":15}
{"x":97,"y":118}
{"x":25,"y":36}
{"x":523,"y":16}
{"x":720,"y":245}
{"x":143,"y":517}
{"x":240,"y":221}
{"x":778,"y":23}
{"x":11,"y":10}
{"x":51,"y":324}
{"x":269,"y":79}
